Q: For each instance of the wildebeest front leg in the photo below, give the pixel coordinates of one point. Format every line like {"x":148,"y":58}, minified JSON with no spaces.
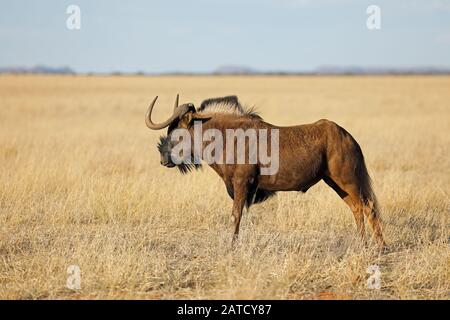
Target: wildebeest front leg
{"x":240,"y":195}
{"x":238,"y":207}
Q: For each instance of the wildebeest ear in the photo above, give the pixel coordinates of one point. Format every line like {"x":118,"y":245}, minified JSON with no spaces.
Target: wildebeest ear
{"x":198,"y":118}
{"x":189,"y":118}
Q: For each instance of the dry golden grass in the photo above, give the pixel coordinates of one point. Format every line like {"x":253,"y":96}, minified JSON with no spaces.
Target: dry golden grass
{"x":81,"y":184}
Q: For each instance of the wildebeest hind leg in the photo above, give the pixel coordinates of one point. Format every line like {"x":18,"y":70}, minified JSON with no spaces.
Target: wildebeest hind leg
{"x":374,"y":219}
{"x":355,"y":206}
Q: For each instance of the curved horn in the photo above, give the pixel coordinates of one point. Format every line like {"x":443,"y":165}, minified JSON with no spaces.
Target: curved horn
{"x":178,"y":113}
{"x":176,"y":103}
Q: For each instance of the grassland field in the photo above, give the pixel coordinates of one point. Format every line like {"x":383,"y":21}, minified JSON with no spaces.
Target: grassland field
{"x":81,"y":184}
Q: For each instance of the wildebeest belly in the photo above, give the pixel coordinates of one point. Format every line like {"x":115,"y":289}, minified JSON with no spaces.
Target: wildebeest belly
{"x":295,"y":173}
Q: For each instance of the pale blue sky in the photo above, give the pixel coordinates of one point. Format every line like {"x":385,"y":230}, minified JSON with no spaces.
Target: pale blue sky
{"x":200,"y":35}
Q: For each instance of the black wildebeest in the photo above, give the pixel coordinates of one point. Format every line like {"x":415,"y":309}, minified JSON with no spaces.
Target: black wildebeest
{"x":307,"y":154}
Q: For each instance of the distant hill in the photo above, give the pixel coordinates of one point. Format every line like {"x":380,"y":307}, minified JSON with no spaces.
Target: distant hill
{"x":244,"y":70}
{"x":357,"y":70}
{"x":232,"y":69}
{"x":40,"y":69}
{"x":336,"y":70}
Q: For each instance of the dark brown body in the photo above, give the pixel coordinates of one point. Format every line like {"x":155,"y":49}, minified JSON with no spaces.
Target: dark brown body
{"x":307,"y":154}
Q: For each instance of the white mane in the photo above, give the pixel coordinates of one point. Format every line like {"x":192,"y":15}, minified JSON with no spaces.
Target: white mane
{"x":226,"y":105}
{"x":222,"y":107}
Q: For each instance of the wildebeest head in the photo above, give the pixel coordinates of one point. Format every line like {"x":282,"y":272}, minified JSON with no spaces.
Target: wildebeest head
{"x":182,"y":117}
{"x":165,"y":146}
